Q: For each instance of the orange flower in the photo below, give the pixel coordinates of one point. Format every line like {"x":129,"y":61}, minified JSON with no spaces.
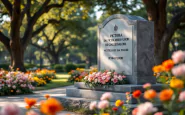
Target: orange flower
{"x":177,"y":83}
{"x":30,"y":102}
{"x":51,"y":106}
{"x":136,"y":93}
{"x":47,"y":96}
{"x":158,"y":68}
{"x":165,"y":95}
{"x":119,"y":103}
{"x":150,"y":94}
{"x":76,"y":79}
{"x":168,"y":65}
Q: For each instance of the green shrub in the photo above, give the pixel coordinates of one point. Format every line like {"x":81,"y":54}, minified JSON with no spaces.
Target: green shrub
{"x":27,"y":66}
{"x":69,"y":67}
{"x":4,"y":66}
{"x":83,"y":65}
{"x":58,"y":68}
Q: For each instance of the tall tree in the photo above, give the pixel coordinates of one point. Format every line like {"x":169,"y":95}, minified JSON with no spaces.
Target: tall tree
{"x":157,"y":11}
{"x":54,"y":45}
{"x":25,"y":12}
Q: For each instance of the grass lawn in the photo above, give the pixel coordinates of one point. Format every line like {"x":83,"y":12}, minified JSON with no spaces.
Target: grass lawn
{"x":61,"y":81}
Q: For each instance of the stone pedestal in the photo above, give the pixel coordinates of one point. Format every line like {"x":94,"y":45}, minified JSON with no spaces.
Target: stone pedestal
{"x":118,"y":91}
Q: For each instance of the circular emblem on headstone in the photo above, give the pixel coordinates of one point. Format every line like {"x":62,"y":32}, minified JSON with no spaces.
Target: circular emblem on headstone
{"x":115,"y":28}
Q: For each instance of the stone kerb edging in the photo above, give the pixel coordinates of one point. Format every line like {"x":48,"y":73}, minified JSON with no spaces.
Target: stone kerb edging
{"x":118,"y":88}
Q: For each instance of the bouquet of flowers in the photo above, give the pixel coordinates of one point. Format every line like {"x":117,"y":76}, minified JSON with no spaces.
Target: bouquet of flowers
{"x":105,"y":78}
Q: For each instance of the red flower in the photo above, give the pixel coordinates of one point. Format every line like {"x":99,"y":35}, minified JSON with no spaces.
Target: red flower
{"x":136,"y":93}
{"x":114,"y":108}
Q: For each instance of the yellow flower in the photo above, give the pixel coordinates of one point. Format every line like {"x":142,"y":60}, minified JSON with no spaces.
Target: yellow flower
{"x":176,"y":83}
{"x":11,"y":91}
{"x":119,"y":103}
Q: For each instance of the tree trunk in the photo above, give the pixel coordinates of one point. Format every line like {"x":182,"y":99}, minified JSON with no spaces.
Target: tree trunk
{"x":161,"y":48}
{"x":17,"y":56}
{"x":56,"y":58}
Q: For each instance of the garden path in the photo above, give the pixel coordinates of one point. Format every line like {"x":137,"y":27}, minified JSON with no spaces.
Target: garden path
{"x":19,"y":99}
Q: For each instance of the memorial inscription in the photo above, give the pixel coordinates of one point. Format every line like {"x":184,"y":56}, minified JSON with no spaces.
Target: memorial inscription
{"x":116,"y":46}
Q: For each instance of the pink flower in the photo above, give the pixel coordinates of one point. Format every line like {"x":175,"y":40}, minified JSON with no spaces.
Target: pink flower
{"x":106,"y":96}
{"x":178,"y":56}
{"x":123,"y":76}
{"x":159,"y":113}
{"x":31,"y":112}
{"x":93,"y":105}
{"x":179,"y":70}
{"x":146,"y":85}
{"x":9,"y":85}
{"x":103,"y":104}
{"x":120,"y":77}
{"x":146,"y":108}
{"x":182,"y":96}
{"x":14,"y":87}
{"x":18,"y":91}
{"x":10,"y":109}
{"x":115,"y":80}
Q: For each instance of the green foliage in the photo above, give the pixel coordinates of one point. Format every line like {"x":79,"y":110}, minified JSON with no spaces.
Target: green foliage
{"x":83,"y":65}
{"x":28,"y":66}
{"x":4,"y":66}
{"x":69,"y":67}
{"x":58,"y":68}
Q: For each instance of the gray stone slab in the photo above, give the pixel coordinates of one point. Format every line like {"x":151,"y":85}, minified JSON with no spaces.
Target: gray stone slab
{"x":118,"y":88}
{"x":96,"y":95}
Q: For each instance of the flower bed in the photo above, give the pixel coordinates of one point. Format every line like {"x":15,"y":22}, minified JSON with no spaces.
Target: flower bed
{"x":172,"y":97}
{"x":105,"y":78}
{"x":15,"y":82}
{"x":42,"y":77}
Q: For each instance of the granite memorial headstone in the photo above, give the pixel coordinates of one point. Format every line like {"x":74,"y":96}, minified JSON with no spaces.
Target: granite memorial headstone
{"x":126,"y":45}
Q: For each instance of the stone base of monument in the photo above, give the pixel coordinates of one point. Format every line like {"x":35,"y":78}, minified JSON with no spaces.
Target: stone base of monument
{"x":118,"y":91}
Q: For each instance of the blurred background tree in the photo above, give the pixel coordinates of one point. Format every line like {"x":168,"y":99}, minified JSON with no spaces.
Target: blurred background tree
{"x":68,"y":28}
{"x":25,"y":21}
